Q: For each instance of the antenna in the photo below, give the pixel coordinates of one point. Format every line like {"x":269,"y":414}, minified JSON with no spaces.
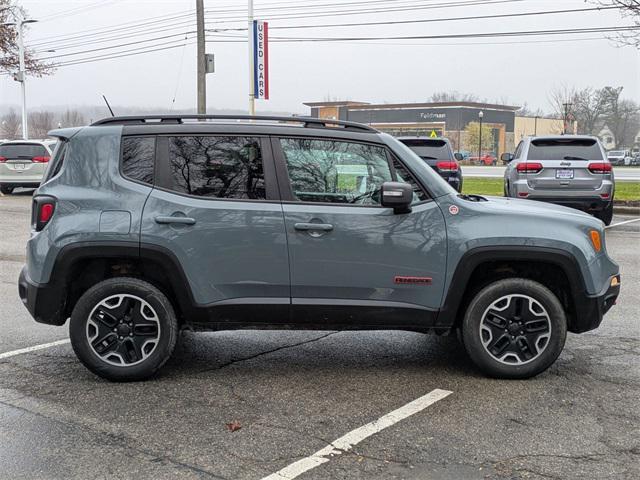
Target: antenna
{"x":108,"y":106}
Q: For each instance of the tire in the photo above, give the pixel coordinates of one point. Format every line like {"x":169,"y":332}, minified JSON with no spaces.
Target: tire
{"x":506,"y":189}
{"x":6,"y":189}
{"x":136,"y":323}
{"x":606,"y":215}
{"x":519,"y":351}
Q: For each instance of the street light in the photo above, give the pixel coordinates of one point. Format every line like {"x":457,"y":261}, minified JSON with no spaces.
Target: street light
{"x":21,"y":75}
{"x":480,"y":115}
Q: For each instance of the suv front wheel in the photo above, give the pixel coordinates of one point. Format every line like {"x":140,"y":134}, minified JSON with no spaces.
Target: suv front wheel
{"x":123,"y":329}
{"x":514,"y":328}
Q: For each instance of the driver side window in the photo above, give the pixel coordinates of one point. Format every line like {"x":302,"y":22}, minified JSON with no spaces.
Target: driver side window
{"x":330,"y":171}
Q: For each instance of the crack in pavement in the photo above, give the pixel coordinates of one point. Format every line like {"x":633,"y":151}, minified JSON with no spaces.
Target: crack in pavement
{"x":259,"y":354}
{"x":120,"y":440}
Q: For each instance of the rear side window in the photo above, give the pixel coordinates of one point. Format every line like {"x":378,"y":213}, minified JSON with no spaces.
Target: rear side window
{"x":217,"y":167}
{"x":57,"y":159}
{"x":138,"y":154}
{"x":22,"y":151}
{"x":429,"y":149}
{"x":561,"y":149}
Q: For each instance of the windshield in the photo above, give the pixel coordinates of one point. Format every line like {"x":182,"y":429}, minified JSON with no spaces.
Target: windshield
{"x":564,"y":149}
{"x":429,"y":149}
{"x":23,"y":150}
{"x":435,"y":183}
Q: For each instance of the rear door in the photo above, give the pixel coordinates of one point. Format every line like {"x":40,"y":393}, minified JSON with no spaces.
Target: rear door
{"x":352,"y":261}
{"x":215,"y":207}
{"x":565,"y":164}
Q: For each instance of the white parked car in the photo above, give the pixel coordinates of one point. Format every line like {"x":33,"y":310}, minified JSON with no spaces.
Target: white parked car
{"x":23,"y":163}
{"x":619,"y":157}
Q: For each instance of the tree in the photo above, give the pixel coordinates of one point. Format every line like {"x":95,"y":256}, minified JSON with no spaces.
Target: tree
{"x":41,"y":123}
{"x":72,"y":118}
{"x":620,"y":115}
{"x":454,"y":96}
{"x":9,"y":61}
{"x":10,"y":124}
{"x":629,"y":9}
{"x":472,"y":137}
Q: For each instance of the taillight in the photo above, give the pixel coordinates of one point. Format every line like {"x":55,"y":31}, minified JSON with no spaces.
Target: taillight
{"x":3,"y":159}
{"x":599,"y":167}
{"x":529,"y":167}
{"x":447,"y":166}
{"x":43,"y":209}
{"x":40,"y":159}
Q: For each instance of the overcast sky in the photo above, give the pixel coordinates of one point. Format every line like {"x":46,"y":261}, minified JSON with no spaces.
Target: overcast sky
{"x":523,"y":70}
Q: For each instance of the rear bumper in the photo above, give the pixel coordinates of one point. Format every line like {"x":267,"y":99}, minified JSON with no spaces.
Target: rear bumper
{"x":587,"y":204}
{"x":45,"y":303}
{"x":591,"y":309}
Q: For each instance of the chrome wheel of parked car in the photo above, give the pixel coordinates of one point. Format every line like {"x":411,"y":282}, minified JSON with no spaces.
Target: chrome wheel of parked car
{"x":515,"y":329}
{"x":123,"y":330}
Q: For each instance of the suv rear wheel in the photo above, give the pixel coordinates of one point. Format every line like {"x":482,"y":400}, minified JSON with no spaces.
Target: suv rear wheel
{"x":606,"y":215}
{"x":514,"y":328}
{"x":123,"y":329}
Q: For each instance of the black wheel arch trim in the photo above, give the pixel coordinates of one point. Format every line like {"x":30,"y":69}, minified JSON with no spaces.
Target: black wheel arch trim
{"x":71,"y":254}
{"x":585,"y":312}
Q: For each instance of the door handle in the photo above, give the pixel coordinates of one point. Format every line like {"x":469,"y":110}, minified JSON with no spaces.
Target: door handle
{"x":165,"y":219}
{"x":320,"y":227}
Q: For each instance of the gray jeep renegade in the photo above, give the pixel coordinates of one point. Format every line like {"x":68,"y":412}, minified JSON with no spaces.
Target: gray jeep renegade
{"x":144,"y":226}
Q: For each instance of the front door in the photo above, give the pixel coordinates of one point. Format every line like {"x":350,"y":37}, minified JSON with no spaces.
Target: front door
{"x":353,"y":261}
{"x":215,"y":208}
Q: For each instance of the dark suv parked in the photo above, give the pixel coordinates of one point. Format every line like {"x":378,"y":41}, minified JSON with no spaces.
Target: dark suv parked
{"x":144,"y":226}
{"x":438,"y":154}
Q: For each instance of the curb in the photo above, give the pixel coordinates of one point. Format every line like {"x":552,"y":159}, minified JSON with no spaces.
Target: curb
{"x":626,"y":210}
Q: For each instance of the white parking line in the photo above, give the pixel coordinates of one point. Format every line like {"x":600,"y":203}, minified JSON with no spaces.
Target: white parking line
{"x":33,"y":349}
{"x":346,"y":442}
{"x":623,"y":223}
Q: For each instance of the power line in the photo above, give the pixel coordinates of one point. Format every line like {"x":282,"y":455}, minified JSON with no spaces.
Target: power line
{"x":181,"y":24}
{"x":450,"y":36}
{"x":428,"y":20}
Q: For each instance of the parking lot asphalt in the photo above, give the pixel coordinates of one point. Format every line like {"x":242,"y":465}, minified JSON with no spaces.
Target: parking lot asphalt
{"x":291,"y":393}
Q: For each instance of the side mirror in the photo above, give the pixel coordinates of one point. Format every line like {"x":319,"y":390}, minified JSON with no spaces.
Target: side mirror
{"x":506,"y":157}
{"x":458,"y":156}
{"x":397,"y":195}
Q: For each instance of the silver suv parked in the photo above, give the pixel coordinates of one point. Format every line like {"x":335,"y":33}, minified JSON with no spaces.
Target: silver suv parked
{"x":569,"y":170}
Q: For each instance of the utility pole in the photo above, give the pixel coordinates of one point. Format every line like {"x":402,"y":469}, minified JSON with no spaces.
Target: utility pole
{"x":21,"y":75}
{"x":252,"y":102}
{"x":202,"y":84}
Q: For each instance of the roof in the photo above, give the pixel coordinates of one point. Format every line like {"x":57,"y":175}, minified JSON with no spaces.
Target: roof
{"x":336,"y":103}
{"x":251,"y":120}
{"x":384,"y":106}
{"x":30,"y":140}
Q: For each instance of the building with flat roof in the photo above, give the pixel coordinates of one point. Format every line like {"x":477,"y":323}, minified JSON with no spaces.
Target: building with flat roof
{"x":441,"y":119}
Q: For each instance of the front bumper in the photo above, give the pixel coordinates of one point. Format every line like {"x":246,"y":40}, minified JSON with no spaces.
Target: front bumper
{"x":591,"y":309}
{"x":44,"y":302}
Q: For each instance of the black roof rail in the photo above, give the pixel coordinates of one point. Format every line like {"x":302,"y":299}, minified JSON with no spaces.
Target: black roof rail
{"x":179,"y":119}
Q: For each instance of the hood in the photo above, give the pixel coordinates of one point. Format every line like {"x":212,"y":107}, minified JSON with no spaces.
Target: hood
{"x":531,"y":206}
{"x":510,"y":207}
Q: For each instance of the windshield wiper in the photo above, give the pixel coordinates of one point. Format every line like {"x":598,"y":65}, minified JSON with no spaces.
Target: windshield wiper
{"x":429,"y":158}
{"x":569,"y":157}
